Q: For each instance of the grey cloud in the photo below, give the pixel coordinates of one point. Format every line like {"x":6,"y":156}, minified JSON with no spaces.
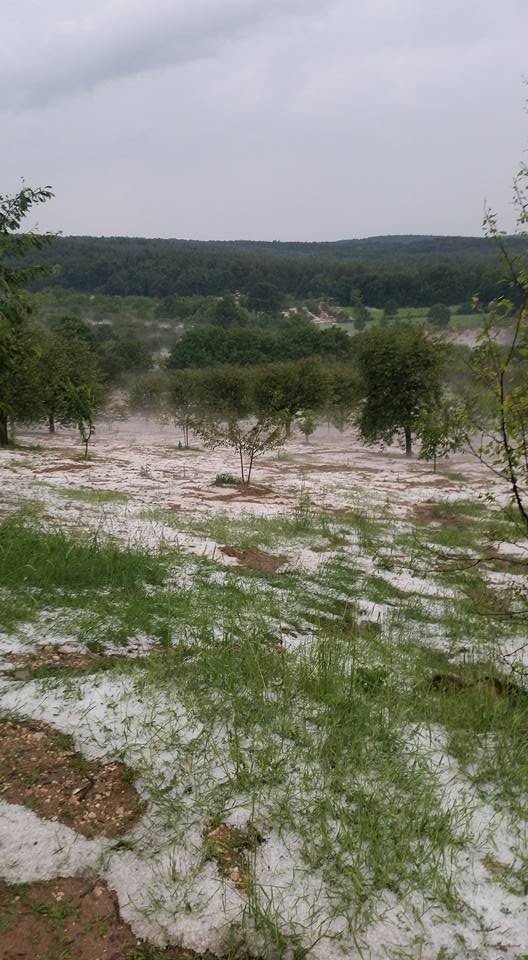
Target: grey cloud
{"x":289,"y":119}
{"x":72,"y":53}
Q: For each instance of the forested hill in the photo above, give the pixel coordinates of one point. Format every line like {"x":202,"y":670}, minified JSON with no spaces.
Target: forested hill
{"x":388,"y":248}
{"x":413,"y":270}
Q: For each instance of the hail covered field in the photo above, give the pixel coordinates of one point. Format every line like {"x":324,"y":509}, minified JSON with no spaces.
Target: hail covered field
{"x":282,"y":721}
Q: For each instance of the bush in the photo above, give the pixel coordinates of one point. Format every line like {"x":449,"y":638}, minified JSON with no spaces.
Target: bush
{"x":226,"y":480}
{"x":439,"y":315}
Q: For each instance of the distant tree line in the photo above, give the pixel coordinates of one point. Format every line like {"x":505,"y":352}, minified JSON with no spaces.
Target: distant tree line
{"x":423,"y":273}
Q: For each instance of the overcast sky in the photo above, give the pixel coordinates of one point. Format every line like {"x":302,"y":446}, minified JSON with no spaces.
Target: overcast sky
{"x":264,"y":119}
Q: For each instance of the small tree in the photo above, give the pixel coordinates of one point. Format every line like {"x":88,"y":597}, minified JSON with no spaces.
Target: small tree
{"x":81,"y":405}
{"x":399,"y":372}
{"x":149,"y":394}
{"x":343,"y":394}
{"x":16,"y":343}
{"x":361,"y":315}
{"x":283,"y":390}
{"x":73,"y":328}
{"x":390,"y":310}
{"x":307,"y":424}
{"x":440,"y":432}
{"x":439,"y":315}
{"x":248,"y":440}
{"x":224,"y":417}
{"x":500,"y":367}
{"x":187,"y":392}
{"x":63,"y":363}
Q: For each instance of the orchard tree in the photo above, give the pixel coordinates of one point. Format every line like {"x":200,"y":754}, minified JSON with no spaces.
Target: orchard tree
{"x":307,"y":424}
{"x":82,"y":405}
{"x":188,"y":392}
{"x":440,"y":430}
{"x":497,"y":411}
{"x":343,"y":394}
{"x":17,"y":349}
{"x":248,"y":439}
{"x":63,"y":363}
{"x":226,"y":391}
{"x":149,"y":394}
{"x":121,"y":355}
{"x":21,"y":389}
{"x":199,"y":347}
{"x":284,"y":390}
{"x":225,"y":418}
{"x":400,"y":370}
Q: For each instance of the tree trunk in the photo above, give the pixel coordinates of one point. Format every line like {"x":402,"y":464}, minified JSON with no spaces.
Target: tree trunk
{"x":51,"y":423}
{"x":408,"y":442}
{"x":4,"y":435}
{"x":250,"y":468}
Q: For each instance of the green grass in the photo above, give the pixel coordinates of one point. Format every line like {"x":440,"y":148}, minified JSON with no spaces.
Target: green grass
{"x":329,"y":744}
{"x":55,"y":912}
{"x":302,"y":526}
{"x":468,"y":321}
{"x":486,"y":730}
{"x":464,"y":526}
{"x":51,"y":560}
{"x":247,"y":530}
{"x":92,"y":496}
{"x":106,"y":593}
{"x":315,"y":741}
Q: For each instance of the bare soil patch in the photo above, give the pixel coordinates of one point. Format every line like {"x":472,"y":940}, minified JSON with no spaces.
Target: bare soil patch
{"x":442,"y":483}
{"x":229,"y":847}
{"x":439,"y":483}
{"x":40,"y":769}
{"x":484,"y":684}
{"x":494,"y":867}
{"x":433,"y":512}
{"x":317,"y":468}
{"x":58,"y":467}
{"x":50,"y":658}
{"x":255,"y":559}
{"x":254,"y":490}
{"x":70,"y":919}
{"x":247,"y":494}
